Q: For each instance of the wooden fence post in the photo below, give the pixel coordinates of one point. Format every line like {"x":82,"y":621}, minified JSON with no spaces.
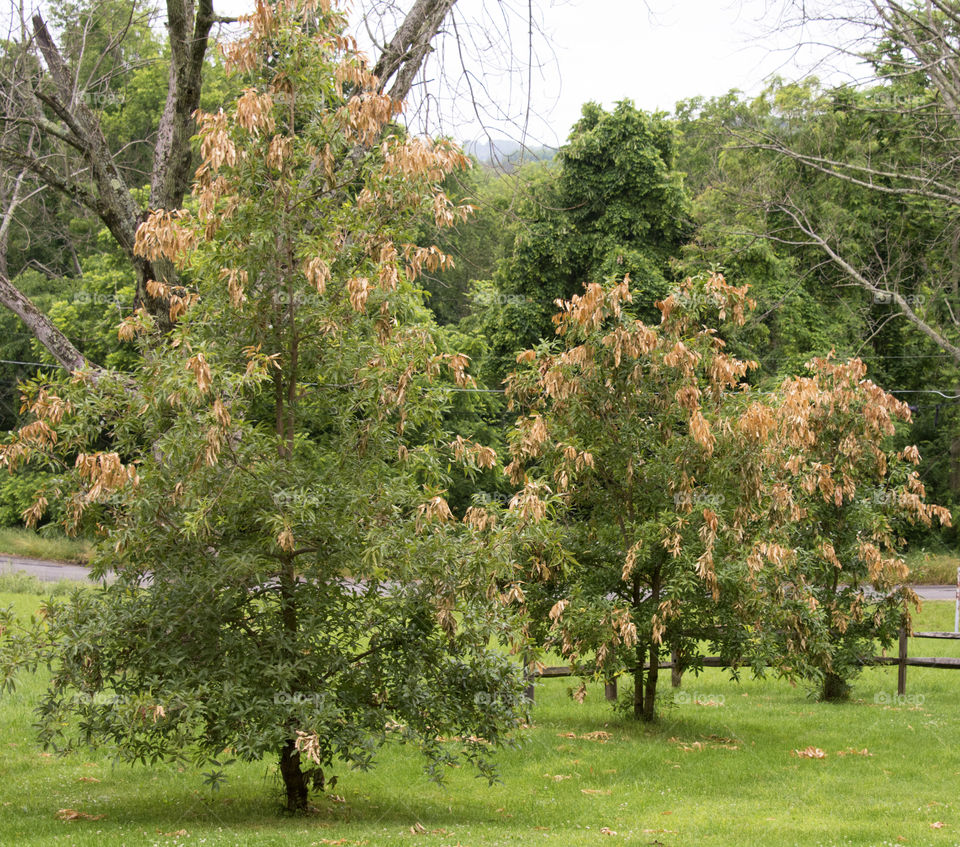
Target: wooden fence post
{"x":902,"y":663}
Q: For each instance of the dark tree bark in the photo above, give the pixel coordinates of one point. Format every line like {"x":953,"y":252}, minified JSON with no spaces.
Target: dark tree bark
{"x":640,"y":655}
{"x":43,"y":329}
{"x":410,"y":46}
{"x":112,"y":202}
{"x":650,"y":695}
{"x":294,"y":780}
{"x":189,"y":39}
{"x":835,"y":688}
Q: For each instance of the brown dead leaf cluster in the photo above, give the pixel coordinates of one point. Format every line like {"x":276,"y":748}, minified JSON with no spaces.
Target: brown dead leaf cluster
{"x":599,"y":736}
{"x":809,"y":753}
{"x":74,"y":815}
{"x":709,"y":742}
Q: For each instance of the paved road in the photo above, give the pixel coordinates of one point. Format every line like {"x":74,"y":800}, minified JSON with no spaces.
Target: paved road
{"x":55,"y":571}
{"x":44,"y":571}
{"x":936,"y":592}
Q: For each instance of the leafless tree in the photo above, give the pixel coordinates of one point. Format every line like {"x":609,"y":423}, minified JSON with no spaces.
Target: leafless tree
{"x":487,"y":59}
{"x":894,"y":42}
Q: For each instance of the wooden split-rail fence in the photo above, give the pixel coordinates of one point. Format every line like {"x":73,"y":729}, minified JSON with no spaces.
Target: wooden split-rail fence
{"x":902,"y":660}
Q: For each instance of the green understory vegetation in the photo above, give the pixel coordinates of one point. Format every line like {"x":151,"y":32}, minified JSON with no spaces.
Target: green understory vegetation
{"x":49,"y":546}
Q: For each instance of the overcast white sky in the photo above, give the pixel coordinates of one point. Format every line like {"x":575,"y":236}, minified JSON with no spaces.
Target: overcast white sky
{"x":610,"y":49}
{"x":655,"y":52}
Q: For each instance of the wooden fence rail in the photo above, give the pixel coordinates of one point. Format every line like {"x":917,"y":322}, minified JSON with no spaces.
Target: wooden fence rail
{"x":902,"y":660}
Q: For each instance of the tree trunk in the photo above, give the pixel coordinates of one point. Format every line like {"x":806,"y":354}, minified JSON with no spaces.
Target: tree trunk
{"x":173,"y":155}
{"x":650,"y":696}
{"x":955,"y":464}
{"x":639,"y":652}
{"x":638,"y":683}
{"x":835,"y":688}
{"x":43,"y":329}
{"x":403,"y":57}
{"x":610,"y":689}
{"x":294,"y":781}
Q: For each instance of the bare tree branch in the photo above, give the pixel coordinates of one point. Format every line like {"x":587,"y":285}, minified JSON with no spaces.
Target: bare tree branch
{"x":803,"y":224}
{"x":403,"y":57}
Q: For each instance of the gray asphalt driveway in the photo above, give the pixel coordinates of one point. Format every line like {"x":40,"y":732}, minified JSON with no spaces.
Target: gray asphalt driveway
{"x":936,"y":592}
{"x":44,"y":571}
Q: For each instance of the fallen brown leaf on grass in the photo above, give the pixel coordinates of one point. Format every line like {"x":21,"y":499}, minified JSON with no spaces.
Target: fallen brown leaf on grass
{"x":809,"y":753}
{"x":607,"y":831}
{"x":417,"y":828}
{"x":937,"y":825}
{"x":557,"y":777}
{"x":74,"y":815}
{"x":88,"y":779}
{"x":719,"y":742}
{"x":177,"y":834}
{"x":851,"y":752}
{"x":593,"y":792}
{"x":599,"y":735}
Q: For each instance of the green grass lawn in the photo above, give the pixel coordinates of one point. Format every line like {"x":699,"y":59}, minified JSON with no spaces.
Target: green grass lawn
{"x":718,"y":769}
